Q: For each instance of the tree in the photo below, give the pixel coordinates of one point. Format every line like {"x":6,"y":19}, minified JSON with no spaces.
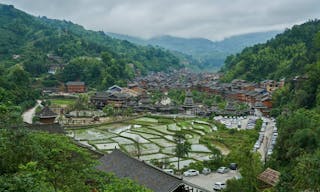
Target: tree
{"x":249,"y":166}
{"x":109,"y":110}
{"x":306,"y":173}
{"x":73,"y":71}
{"x":182,"y":146}
{"x":82,"y":102}
{"x":10,"y":115}
{"x":137,"y":145}
{"x":53,"y":160}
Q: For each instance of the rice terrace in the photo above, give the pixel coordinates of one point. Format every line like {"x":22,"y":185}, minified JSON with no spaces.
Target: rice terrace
{"x":154,"y":135}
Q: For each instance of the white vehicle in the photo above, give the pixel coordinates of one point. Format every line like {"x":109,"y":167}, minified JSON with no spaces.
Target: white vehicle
{"x":275,"y":130}
{"x":206,"y":171}
{"x":223,"y":170}
{"x":219,"y":186}
{"x":191,"y":172}
{"x":257,"y":145}
{"x":269,"y":152}
{"x":170,"y":171}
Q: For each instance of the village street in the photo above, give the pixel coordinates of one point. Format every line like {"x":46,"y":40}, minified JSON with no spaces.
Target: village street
{"x":267,"y":138}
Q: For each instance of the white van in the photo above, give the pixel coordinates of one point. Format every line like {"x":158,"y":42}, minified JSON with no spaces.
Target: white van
{"x":219,"y":186}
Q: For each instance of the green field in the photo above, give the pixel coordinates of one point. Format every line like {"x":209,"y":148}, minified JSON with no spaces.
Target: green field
{"x":62,"y":102}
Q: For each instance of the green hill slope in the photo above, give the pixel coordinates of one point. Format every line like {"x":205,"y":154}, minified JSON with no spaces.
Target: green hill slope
{"x":289,"y":54}
{"x":33,"y":37}
{"x":295,"y":55}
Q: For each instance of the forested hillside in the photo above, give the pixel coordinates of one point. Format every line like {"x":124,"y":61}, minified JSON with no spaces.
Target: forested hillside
{"x":38,"y":161}
{"x":27,"y":40}
{"x":289,"y":54}
{"x":294,"y":55}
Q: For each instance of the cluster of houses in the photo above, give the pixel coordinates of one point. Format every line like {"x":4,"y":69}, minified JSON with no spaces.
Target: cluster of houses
{"x":136,"y":97}
{"x":256,"y":95}
{"x":132,"y":97}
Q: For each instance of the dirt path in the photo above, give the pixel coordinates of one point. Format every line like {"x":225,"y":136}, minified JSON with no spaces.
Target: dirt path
{"x":28,"y":115}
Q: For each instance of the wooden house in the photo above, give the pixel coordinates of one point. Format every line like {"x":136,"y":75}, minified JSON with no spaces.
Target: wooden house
{"x":76,"y":87}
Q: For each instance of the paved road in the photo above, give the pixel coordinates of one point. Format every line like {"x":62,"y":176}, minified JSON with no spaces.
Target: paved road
{"x":267,"y":139}
{"x":207,"y":181}
{"x":28,"y":115}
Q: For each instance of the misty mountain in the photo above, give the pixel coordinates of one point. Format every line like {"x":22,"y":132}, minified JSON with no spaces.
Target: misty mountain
{"x":209,"y":54}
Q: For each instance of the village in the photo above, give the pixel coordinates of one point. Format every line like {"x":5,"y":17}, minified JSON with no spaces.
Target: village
{"x":139,"y":122}
{"x":138,"y":95}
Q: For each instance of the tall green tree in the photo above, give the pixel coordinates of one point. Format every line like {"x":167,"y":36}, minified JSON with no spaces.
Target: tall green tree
{"x":183,"y":147}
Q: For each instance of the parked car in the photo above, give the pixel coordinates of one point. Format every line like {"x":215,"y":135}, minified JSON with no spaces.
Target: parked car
{"x":191,"y":172}
{"x":170,"y":171}
{"x":257,"y":145}
{"x":223,"y":170}
{"x":269,"y":152}
{"x":275,"y":130}
{"x":206,"y":171}
{"x":233,"y":166}
{"x":219,"y":186}
{"x":237,"y":177}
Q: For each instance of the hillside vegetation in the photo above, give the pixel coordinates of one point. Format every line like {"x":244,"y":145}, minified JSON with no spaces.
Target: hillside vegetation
{"x":289,"y":54}
{"x":295,"y":55}
{"x":27,"y":40}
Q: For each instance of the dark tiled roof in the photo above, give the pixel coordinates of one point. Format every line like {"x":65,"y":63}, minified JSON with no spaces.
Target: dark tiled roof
{"x":115,"y":88}
{"x":75,"y":83}
{"x":259,"y":105}
{"x":101,"y":94}
{"x":46,"y":112}
{"x":124,"y":166}
{"x":188,"y":101}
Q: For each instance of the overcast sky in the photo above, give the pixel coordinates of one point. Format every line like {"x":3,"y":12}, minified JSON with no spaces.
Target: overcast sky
{"x":212,"y":19}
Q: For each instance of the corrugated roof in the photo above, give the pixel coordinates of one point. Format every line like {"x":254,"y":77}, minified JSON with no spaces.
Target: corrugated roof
{"x":270,"y":176}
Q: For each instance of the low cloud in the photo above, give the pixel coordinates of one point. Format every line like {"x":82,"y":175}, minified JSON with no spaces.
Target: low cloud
{"x":210,"y":19}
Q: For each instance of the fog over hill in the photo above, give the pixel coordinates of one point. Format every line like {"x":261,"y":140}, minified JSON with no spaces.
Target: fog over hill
{"x":209,"y":54}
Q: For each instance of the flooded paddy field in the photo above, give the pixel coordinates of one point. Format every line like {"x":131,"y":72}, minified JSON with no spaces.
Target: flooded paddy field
{"x":149,"y":137}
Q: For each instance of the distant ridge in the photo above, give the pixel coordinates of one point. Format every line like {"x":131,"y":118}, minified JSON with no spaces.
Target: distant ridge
{"x":209,"y":54}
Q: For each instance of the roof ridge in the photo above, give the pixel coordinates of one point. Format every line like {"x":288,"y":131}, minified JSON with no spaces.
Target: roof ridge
{"x":144,"y":162}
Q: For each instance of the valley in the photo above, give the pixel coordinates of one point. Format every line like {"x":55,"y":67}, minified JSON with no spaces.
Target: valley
{"x":88,"y":110}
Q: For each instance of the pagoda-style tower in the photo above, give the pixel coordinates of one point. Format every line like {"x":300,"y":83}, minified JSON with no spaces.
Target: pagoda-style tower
{"x":188,"y":103}
{"x":46,"y":116}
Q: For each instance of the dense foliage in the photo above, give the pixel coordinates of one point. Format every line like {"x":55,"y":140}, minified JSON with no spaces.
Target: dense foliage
{"x":30,"y":40}
{"x":287,"y":55}
{"x":15,"y":87}
{"x":295,"y":55}
{"x":38,"y":161}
